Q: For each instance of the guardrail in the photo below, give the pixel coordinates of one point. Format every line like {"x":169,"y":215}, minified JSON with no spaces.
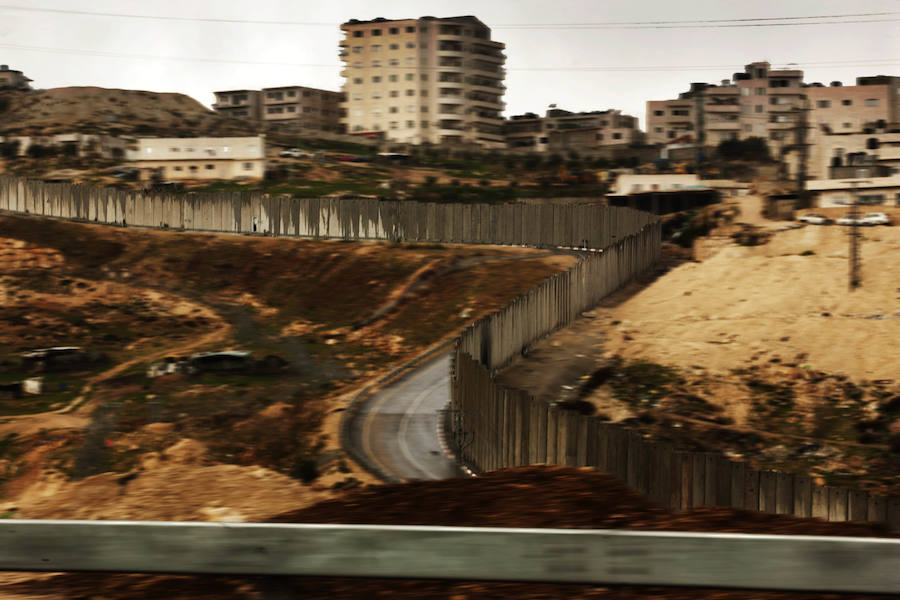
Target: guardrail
{"x":802,"y":563}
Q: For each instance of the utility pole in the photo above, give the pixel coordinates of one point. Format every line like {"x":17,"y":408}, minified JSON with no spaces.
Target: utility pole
{"x":801,"y":125}
{"x":700,"y":125}
{"x":855,"y":238}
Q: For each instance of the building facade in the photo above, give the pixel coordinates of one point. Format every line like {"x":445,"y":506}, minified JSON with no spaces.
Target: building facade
{"x":760,"y":102}
{"x":179,"y":159}
{"x":10,"y":79}
{"x":425,"y":80}
{"x":291,"y":108}
{"x":561,"y":130}
{"x":238,"y":104}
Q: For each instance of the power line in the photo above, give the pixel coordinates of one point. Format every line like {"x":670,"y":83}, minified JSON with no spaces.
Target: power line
{"x":678,"y":24}
{"x":883,"y":62}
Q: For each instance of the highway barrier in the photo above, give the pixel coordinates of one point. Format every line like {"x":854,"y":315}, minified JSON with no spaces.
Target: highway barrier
{"x":801,"y":563}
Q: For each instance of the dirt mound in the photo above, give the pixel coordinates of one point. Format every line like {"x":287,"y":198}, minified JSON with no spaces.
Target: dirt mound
{"x":521,"y":497}
{"x":64,"y":110}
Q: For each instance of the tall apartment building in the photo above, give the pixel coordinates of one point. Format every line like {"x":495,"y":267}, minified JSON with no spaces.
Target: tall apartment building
{"x":289,"y":108}
{"x":760,"y":102}
{"x":597,"y":128}
{"x":10,"y":79}
{"x":874,"y":102}
{"x":425,"y":80}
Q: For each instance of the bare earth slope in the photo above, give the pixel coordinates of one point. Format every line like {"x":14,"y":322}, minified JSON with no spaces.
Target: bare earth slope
{"x":94,"y":109}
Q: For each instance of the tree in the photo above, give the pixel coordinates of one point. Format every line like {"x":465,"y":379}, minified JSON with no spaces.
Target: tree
{"x":9,"y":149}
{"x":752,"y":148}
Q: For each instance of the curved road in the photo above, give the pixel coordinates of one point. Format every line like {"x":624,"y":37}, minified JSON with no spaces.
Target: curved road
{"x":397,"y":428}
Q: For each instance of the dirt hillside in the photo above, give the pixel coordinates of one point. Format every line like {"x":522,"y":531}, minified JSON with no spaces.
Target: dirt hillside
{"x":96,"y":110}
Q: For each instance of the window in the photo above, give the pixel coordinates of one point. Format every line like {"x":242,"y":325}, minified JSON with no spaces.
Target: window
{"x":248,"y":166}
{"x":745,"y":91}
{"x":424,"y":124}
{"x":357,"y":96}
{"x":376,"y":95}
{"x":410,"y":92}
{"x":823,"y":103}
{"x":292,"y":109}
{"x":376,"y":79}
{"x":357,"y":80}
{"x":617,"y":136}
{"x":872,"y":102}
{"x":357,"y":34}
{"x":683,"y":112}
{"x":394,"y":46}
{"x":410,"y":44}
{"x":424,"y":109}
{"x":410,"y":60}
{"x":659,"y":113}
{"x":357,"y":49}
{"x":376,"y":32}
{"x":394,"y":125}
{"x":657,"y":129}
{"x":848,"y":125}
{"x":394,"y":109}
{"x":394,"y":62}
{"x":376,"y":48}
{"x":392,"y":78}
{"x":410,"y":76}
{"x":760,"y":91}
{"x":210,"y":167}
{"x":599,"y":136}
{"x":759,"y":108}
{"x":178,"y":168}
{"x":671,"y":134}
{"x":394,"y":30}
{"x":410,"y":124}
{"x":376,"y":63}
{"x":410,"y":29}
{"x":193,"y":168}
{"x":394,"y":93}
{"x":292,"y":93}
{"x":847,"y":102}
{"x":760,"y":73}
{"x":747,"y":128}
{"x":174,"y":149}
{"x":424,"y":77}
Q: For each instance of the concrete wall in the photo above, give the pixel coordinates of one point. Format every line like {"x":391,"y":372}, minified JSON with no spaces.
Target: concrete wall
{"x":507,"y":428}
{"x":583,"y":226}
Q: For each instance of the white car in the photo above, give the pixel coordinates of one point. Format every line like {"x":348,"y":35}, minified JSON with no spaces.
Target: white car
{"x":876,"y":219}
{"x":294,"y":153}
{"x":815,"y":219}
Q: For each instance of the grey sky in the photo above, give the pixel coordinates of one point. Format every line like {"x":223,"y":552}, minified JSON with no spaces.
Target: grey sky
{"x":564,"y":55}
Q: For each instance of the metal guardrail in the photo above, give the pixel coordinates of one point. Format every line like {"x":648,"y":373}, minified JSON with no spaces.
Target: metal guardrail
{"x":802,"y":563}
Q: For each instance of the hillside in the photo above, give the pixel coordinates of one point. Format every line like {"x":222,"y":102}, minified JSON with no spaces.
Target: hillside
{"x":112,"y":111}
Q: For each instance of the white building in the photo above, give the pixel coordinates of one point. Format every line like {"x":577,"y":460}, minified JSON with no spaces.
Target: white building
{"x":171,"y":159}
{"x":656,"y":182}
{"x":870,"y":191}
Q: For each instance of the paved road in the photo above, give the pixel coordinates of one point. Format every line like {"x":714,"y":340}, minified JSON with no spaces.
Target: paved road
{"x":398,"y":427}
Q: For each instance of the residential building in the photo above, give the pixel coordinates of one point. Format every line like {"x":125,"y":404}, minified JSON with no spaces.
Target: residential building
{"x":655,"y":182}
{"x":561,"y":130}
{"x":874,"y":102}
{"x":290,"y":108}
{"x":759,"y":102}
{"x":293,"y":108}
{"x":869,"y":191}
{"x":837,"y":155}
{"x":240,"y":104}
{"x":10,"y":79}
{"x":425,"y":80}
{"x":174,"y":159}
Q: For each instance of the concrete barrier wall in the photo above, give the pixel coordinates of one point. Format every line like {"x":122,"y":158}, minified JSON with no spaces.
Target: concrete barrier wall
{"x":507,"y":427}
{"x":582,"y":226}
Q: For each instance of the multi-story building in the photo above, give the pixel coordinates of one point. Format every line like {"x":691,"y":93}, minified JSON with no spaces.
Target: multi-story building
{"x":240,"y":104}
{"x":290,"y":108}
{"x":760,"y":102}
{"x":561,"y":129}
{"x":425,"y":80}
{"x":294,"y":108}
{"x":874,"y":102}
{"x":200,"y":158}
{"x":10,"y":79}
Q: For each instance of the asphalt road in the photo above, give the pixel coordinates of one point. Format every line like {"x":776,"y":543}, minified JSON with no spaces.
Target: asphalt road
{"x":397,"y":428}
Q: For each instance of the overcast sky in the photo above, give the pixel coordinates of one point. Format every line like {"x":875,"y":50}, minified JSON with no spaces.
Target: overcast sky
{"x":568,"y":65}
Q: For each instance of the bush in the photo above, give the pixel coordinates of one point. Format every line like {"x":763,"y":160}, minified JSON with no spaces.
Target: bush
{"x":753,"y":148}
{"x":9,"y":149}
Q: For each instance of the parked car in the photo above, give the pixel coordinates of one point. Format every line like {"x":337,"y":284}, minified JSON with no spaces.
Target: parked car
{"x":294,"y":153}
{"x":876,"y":218}
{"x":848,"y":220}
{"x":815,"y":219}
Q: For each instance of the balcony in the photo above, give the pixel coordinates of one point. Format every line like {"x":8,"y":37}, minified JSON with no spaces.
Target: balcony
{"x":723,"y":125}
{"x":494,"y":56}
{"x":789,"y":91}
{"x":451,"y":126}
{"x":449,"y":116}
{"x":723,"y":108}
{"x":451,"y":95}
